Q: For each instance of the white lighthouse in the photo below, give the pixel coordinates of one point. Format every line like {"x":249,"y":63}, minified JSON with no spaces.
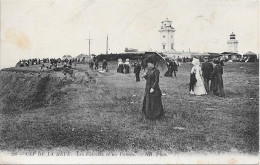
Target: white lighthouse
{"x":232,"y":43}
{"x":167,"y":36}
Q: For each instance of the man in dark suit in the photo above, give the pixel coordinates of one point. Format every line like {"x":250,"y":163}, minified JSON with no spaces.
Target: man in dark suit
{"x":175,"y":68}
{"x":96,"y":64}
{"x":104,"y":65}
{"x":207,"y":69}
{"x":137,"y":69}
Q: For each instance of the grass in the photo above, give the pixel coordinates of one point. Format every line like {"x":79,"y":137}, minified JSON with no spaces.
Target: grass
{"x":105,"y":115}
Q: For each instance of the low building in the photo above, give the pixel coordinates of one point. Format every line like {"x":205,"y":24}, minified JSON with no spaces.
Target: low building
{"x":123,"y":56}
{"x":252,"y":57}
{"x":84,"y":57}
{"x":131,"y":50}
{"x":214,"y":55}
{"x":178,"y":54}
{"x":231,"y":56}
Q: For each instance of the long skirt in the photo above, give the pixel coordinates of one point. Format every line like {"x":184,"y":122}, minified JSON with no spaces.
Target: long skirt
{"x":170,"y":72}
{"x":152,"y":106}
{"x":120,"y":69}
{"x":199,"y":88}
{"x":217,"y":86}
{"x":127,"y":68}
{"x":166,"y":74}
{"x":137,"y":76}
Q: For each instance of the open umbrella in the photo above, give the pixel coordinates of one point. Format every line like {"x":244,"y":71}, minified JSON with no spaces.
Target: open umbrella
{"x":160,"y":61}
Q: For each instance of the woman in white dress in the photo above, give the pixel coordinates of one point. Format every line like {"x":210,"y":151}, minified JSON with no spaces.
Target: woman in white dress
{"x":120,"y":68}
{"x":199,"y":88}
{"x":127,"y":66}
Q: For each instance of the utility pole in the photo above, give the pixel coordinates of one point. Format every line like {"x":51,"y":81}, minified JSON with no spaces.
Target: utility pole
{"x":89,"y":44}
{"x":107,"y":46}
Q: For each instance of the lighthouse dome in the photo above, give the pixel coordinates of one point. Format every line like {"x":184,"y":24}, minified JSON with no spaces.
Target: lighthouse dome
{"x":232,"y":36}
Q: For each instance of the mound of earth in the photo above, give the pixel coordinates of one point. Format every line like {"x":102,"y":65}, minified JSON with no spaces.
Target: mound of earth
{"x":23,"y":89}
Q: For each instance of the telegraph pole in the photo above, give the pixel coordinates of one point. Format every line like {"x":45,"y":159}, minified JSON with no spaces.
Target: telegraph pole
{"x":89,"y":39}
{"x":107,"y":46}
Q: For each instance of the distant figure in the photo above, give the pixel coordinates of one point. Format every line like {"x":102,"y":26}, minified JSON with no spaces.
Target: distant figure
{"x":27,"y":63}
{"x":152,"y":104}
{"x":70,"y":63}
{"x":96,"y":64}
{"x":127,"y":66}
{"x":222,"y":62}
{"x":91,"y":65}
{"x":170,"y":68}
{"x":137,"y":69}
{"x":207,"y":69}
{"x":22,"y":64}
{"x":104,"y":65}
{"x":42,"y":66}
{"x":198,"y":88}
{"x":120,"y":68}
{"x":175,"y":68}
{"x":167,"y":73}
{"x":217,"y":82}
{"x":192,"y":81}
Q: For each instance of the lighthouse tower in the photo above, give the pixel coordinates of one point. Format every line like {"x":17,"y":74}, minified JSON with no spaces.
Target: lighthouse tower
{"x":167,"y":36}
{"x":232,"y":43}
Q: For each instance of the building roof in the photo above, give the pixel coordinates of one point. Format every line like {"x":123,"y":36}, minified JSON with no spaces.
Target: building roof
{"x":249,"y":53}
{"x":226,"y":53}
{"x":214,"y":54}
{"x":230,"y":53}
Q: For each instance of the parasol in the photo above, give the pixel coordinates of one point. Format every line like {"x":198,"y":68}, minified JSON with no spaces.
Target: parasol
{"x":160,"y":61}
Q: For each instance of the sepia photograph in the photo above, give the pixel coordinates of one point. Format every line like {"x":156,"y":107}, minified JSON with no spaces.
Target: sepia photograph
{"x":129,"y":81}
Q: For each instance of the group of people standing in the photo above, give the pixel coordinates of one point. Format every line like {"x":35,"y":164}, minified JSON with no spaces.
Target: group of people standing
{"x":207,"y":78}
{"x":200,"y":78}
{"x":123,"y":67}
{"x":172,"y":66}
{"x":95,"y":65}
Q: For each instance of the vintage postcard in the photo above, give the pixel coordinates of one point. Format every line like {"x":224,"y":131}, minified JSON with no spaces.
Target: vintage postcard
{"x":129,"y":82}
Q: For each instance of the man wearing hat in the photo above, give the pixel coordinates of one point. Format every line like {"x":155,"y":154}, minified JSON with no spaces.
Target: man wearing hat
{"x":137,"y":69}
{"x":207,"y":69}
{"x":104,"y":65}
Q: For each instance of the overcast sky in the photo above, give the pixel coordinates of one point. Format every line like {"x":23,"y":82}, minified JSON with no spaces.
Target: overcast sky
{"x":53,"y":28}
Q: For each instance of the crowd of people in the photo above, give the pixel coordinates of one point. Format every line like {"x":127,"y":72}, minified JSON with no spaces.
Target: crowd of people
{"x":48,"y":63}
{"x":205,"y":78}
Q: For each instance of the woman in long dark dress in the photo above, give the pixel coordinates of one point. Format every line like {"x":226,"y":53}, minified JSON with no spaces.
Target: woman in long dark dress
{"x":216,"y":80}
{"x":152,"y":104}
{"x":167,"y":73}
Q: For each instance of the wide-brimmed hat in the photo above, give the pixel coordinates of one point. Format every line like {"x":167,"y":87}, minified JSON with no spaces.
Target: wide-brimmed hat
{"x":195,"y":61}
{"x":150,"y":60}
